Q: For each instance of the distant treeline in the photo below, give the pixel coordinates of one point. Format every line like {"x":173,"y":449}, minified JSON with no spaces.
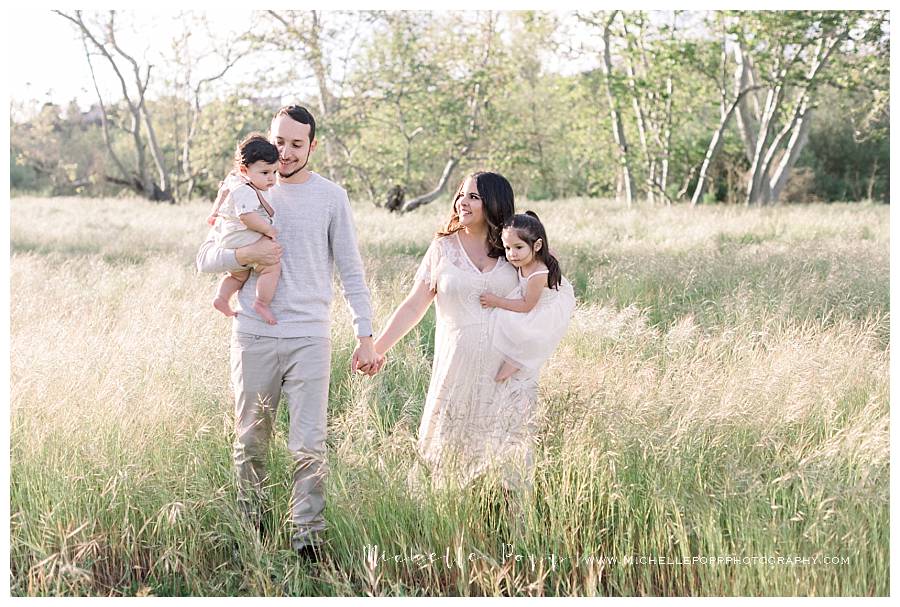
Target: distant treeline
{"x":684,"y":107}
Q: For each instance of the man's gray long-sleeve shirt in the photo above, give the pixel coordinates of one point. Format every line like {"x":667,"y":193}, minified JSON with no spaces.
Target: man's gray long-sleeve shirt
{"x":316,"y":232}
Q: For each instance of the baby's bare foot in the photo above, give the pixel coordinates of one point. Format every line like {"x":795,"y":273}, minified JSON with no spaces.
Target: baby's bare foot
{"x":221,"y":304}
{"x":505,"y":372}
{"x":264,"y":311}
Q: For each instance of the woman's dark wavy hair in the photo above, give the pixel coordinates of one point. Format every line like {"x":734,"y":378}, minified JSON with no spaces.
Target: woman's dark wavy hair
{"x":498,"y":203}
{"x":253,"y":148}
{"x":530,"y":229}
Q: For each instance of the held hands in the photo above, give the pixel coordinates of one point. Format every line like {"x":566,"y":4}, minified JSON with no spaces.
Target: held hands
{"x":365,"y":359}
{"x":375,"y":367}
{"x":488,"y":300}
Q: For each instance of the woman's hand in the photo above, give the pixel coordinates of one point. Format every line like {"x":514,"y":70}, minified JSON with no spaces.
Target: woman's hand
{"x":488,"y":300}
{"x":379,"y":363}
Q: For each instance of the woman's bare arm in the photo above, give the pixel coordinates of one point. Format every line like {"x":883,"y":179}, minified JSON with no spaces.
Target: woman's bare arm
{"x":405,"y":317}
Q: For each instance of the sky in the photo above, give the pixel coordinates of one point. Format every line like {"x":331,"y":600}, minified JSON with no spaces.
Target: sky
{"x":47,"y":75}
{"x":47,"y":61}
{"x":56,"y":69}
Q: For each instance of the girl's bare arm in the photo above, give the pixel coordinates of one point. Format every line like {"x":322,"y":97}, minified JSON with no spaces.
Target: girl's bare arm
{"x":526,"y":304}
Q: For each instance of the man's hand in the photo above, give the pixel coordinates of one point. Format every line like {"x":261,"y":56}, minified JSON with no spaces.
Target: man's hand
{"x":264,"y":252}
{"x":365,"y":359}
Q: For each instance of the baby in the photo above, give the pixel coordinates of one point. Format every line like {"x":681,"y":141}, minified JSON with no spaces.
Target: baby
{"x":241,"y":215}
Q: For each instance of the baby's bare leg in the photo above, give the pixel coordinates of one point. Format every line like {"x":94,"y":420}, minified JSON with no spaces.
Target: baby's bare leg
{"x":265,"y":291}
{"x":230,"y":284}
{"x":506,"y":371}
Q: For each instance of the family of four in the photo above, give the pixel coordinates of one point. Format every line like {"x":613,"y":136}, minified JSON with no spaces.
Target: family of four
{"x":501,"y":307}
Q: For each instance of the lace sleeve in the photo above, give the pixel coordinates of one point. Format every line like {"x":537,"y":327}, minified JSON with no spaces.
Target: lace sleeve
{"x":428,"y":267}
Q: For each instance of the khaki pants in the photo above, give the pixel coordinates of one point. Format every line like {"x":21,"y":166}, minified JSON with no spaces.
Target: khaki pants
{"x":261,"y":368}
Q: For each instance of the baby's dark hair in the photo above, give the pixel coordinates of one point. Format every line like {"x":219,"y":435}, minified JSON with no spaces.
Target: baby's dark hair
{"x":253,"y":148}
{"x":530,"y":229}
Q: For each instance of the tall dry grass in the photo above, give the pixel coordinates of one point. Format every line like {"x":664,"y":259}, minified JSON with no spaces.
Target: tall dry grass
{"x":722,"y":392}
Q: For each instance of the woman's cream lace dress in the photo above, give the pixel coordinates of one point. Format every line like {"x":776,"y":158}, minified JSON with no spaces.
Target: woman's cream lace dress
{"x":471,"y":424}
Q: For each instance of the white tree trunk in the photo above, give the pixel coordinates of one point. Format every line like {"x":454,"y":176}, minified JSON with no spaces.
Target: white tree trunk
{"x":799,"y":137}
{"x":712,"y":150}
{"x":756,"y":183}
{"x":615,"y":115}
{"x":642,"y":129}
{"x":745,"y":120}
{"x":667,"y":139}
{"x":715,"y":143}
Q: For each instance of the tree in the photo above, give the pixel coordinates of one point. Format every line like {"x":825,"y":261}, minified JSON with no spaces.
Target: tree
{"x":650,"y":61}
{"x":612,"y":87}
{"x":728,"y":103}
{"x":316,"y":38}
{"x":392,"y":88}
{"x":101,"y":36}
{"x":529,"y":127}
{"x":849,"y":143}
{"x":474,"y":76}
{"x":781,"y":55}
{"x":407,"y":100}
{"x":192,"y":84}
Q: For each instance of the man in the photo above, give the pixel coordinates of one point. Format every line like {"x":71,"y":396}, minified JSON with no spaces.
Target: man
{"x":316,"y":232}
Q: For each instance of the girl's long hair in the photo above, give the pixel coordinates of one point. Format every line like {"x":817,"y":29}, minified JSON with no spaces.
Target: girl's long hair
{"x":498,"y":204}
{"x":530,"y":229}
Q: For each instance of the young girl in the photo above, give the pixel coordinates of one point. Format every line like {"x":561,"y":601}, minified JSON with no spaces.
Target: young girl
{"x":241,"y":215}
{"x":529,"y":327}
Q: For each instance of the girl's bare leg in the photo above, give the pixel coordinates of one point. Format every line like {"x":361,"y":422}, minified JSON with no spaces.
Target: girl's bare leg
{"x":506,"y":371}
{"x":265,"y":291}
{"x":230,"y":284}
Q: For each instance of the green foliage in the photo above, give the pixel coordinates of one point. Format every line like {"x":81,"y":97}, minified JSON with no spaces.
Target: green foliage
{"x":222,"y":125}
{"x":846,"y":168}
{"x":57,"y":153}
{"x":404,"y":106}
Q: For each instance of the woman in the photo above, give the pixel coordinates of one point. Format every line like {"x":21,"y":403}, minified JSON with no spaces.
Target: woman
{"x":465,"y":428}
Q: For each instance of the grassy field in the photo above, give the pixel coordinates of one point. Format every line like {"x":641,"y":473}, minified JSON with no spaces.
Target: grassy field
{"x":722,"y":393}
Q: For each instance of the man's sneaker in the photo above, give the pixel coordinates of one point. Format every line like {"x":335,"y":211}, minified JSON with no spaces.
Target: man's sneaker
{"x":310,"y":553}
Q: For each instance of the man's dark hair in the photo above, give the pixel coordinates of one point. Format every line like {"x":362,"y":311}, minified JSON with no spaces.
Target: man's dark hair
{"x":301,"y":115}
